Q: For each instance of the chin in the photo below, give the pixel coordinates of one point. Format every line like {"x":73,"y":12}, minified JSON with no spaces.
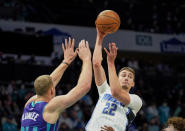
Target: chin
{"x":124,"y":87}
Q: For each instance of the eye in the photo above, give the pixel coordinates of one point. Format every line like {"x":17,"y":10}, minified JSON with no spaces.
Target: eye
{"x":130,"y":76}
{"x":123,"y":75}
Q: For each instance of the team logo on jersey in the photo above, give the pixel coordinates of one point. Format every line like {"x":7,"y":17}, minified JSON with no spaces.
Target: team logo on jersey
{"x":109,"y":97}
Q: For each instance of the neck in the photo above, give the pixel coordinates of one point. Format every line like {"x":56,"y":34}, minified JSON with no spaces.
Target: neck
{"x":42,"y":98}
{"x":126,"y":89}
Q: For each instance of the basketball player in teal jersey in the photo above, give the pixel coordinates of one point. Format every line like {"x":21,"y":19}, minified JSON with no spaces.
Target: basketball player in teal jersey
{"x":42,"y":111}
{"x":116,"y":107}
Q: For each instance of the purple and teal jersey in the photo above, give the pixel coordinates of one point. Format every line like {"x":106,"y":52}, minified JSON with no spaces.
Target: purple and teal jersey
{"x":32,"y":118}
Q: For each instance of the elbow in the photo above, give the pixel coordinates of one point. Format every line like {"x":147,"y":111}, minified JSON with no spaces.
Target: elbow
{"x":115,"y":93}
{"x":96,"y":63}
{"x":87,"y":88}
{"x":122,"y":97}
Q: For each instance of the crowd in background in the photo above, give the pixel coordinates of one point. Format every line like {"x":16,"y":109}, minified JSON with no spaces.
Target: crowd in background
{"x":159,"y":84}
{"x":158,"y":16}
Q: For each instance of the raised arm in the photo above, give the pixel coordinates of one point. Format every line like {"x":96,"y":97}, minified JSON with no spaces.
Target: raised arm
{"x":99,"y":72}
{"x":115,"y":86}
{"x":60,"y":103}
{"x":69,"y":56}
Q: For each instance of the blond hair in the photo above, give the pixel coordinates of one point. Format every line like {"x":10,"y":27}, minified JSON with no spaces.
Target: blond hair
{"x":128,"y":69}
{"x":177,"y":122}
{"x":42,"y":84}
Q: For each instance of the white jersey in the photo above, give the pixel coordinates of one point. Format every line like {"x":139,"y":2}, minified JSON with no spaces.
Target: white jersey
{"x":111,"y":112}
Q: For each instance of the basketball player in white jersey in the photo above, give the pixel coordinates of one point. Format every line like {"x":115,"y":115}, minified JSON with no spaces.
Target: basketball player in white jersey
{"x":116,"y":108}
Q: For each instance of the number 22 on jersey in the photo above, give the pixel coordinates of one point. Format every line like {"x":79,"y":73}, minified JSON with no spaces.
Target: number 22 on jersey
{"x":110,"y":109}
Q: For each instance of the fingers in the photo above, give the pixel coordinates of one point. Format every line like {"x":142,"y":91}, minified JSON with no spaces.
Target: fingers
{"x":73,"y":43}
{"x":114,"y":48}
{"x":107,"y":128}
{"x":63,"y":48}
{"x":77,"y":50}
{"x":83,"y":44}
{"x":107,"y":52}
{"x":66,"y":45}
{"x":110,"y":47}
{"x":69,"y":42}
{"x":87,"y":44}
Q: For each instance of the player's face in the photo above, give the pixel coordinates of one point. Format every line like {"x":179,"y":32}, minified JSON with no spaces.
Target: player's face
{"x":126,"y":79}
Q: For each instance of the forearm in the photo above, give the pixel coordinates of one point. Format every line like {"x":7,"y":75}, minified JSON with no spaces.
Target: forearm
{"x":58,"y":73}
{"x":97,"y":55}
{"x":113,"y":78}
{"x":115,"y":86}
{"x":85,"y":78}
{"x":99,"y":73}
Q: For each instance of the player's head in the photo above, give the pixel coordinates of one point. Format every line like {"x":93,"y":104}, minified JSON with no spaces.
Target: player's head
{"x":44,"y":86}
{"x":126,"y":77}
{"x":175,"y":124}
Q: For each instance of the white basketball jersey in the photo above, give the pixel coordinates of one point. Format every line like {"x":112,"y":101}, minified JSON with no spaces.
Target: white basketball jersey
{"x":111,"y":112}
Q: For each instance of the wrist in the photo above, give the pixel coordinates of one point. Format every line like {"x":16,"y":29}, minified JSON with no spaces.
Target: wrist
{"x":66,"y":63}
{"x":86,"y":60}
{"x":100,"y":38}
{"x":111,"y":64}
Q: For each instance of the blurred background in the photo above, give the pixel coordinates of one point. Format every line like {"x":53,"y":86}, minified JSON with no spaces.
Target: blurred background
{"x":151,"y":39}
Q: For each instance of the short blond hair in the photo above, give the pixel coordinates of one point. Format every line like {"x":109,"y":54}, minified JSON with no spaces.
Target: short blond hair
{"x":42,"y":84}
{"x":128,"y":69}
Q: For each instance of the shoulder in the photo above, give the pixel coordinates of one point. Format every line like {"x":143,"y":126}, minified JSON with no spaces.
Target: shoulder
{"x":30,"y":100}
{"x":136,"y":97}
{"x":104,"y":84}
{"x":103,"y":88}
{"x":135,"y":103}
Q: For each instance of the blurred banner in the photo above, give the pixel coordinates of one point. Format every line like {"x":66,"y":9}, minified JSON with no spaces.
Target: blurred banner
{"x":125,"y":40}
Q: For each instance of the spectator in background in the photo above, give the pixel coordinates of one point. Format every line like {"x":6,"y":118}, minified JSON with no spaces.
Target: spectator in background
{"x":151,"y":111}
{"x":9,"y":124}
{"x":164,"y":113}
{"x":175,"y":124}
{"x":65,"y":119}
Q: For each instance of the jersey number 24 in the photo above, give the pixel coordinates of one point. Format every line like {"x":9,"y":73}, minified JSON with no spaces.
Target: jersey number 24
{"x":110,"y":109}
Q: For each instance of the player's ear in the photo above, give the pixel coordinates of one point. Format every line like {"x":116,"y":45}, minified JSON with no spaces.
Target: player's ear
{"x":52,"y":91}
{"x":133,"y":84}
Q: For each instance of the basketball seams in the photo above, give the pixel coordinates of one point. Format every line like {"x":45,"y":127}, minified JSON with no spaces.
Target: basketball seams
{"x":108,"y":24}
{"x":110,"y":17}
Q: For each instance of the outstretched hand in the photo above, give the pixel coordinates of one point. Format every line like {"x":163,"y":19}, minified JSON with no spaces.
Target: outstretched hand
{"x":68,"y":49}
{"x":100,"y":34}
{"x":84,"y":51}
{"x":107,"y":128}
{"x":112,"y":53}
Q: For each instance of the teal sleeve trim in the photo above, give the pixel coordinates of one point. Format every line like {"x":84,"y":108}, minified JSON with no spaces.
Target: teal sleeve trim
{"x":34,"y":128}
{"x":54,"y":127}
{"x":48,"y":126}
{"x":22,"y":128}
{"x":32,"y":104}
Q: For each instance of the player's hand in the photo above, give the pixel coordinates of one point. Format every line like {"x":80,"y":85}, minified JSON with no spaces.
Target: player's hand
{"x":100,"y":34}
{"x":68,"y":49}
{"x":84,"y":51}
{"x":112,"y":53}
{"x":107,"y":128}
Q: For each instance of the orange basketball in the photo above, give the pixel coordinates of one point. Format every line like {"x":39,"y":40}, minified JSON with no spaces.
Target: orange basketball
{"x":108,"y":21}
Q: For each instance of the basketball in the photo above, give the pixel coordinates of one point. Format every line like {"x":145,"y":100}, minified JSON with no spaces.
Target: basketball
{"x":108,"y":21}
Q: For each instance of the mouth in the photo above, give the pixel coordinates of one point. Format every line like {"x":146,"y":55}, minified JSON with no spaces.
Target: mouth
{"x":125,"y":83}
